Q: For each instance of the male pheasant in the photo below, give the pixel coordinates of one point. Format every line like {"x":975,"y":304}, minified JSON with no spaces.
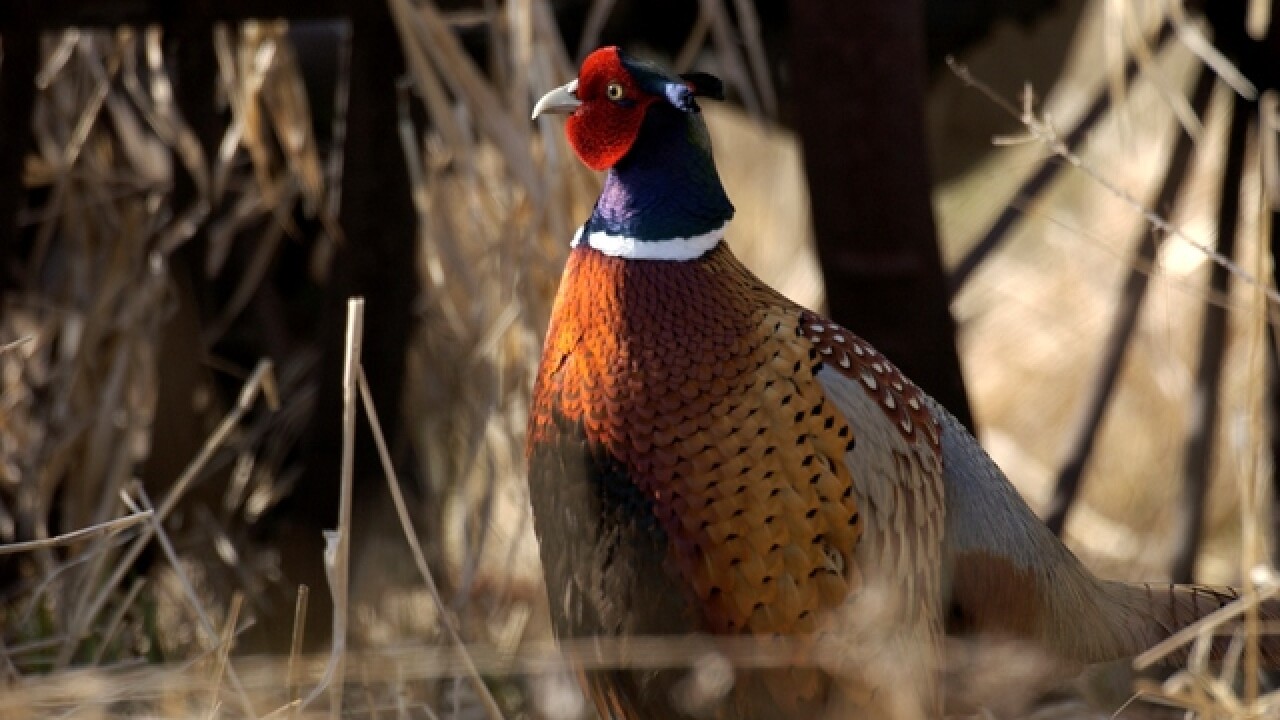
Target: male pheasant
{"x":706,"y":457}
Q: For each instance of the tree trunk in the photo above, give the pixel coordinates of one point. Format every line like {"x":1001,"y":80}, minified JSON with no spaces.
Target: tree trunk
{"x":858,"y":70}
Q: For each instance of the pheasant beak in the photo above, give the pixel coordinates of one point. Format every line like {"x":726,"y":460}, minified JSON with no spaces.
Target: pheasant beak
{"x":562,"y":100}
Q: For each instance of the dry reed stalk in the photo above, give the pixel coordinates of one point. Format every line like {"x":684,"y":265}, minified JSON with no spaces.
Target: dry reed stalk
{"x":729,"y":55}
{"x":94,"y":532}
{"x":694,"y":42}
{"x":117,"y":619}
{"x":338,"y":541}
{"x":193,"y":598}
{"x":15,"y":344}
{"x":419,"y":558}
{"x":1252,"y":480}
{"x":1126,"y":37}
{"x":295,"y":649}
{"x":224,"y":654}
{"x":429,"y":28}
{"x":749,"y":24}
{"x":597,"y":16}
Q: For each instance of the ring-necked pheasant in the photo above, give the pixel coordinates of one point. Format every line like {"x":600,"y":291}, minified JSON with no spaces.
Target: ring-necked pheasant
{"x":705,"y":456}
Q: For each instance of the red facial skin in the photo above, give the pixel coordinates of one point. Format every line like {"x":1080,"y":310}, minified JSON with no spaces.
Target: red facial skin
{"x":601,"y":131}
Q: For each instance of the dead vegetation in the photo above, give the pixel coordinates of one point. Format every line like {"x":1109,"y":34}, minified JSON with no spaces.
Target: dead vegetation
{"x":497,"y":199}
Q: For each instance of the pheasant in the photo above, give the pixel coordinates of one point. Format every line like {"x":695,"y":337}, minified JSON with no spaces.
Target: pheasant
{"x":708,"y":459}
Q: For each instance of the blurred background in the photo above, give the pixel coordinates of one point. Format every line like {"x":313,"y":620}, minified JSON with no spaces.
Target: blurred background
{"x":1065,"y":233}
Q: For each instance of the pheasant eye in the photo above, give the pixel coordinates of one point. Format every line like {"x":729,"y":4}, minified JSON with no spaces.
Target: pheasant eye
{"x":615,"y":91}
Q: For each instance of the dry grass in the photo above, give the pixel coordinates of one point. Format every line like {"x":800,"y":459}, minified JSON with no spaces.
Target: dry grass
{"x":497,"y":199}
{"x":1030,"y":355}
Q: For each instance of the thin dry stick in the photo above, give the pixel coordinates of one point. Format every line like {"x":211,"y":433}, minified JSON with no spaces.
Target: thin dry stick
{"x":1031,"y":188}
{"x":89,"y":116}
{"x":8,"y":671}
{"x":749,"y":23}
{"x":338,"y":542}
{"x":695,"y":41}
{"x":597,"y":15}
{"x":14,"y":345}
{"x":224,"y":651}
{"x":113,"y":625}
{"x":188,"y":589}
{"x":727,"y":52}
{"x":637,"y":652}
{"x":1042,"y":130}
{"x":369,"y":700}
{"x":419,"y":558}
{"x":460,"y":73}
{"x":1269,"y":146}
{"x":89,"y":555}
{"x":295,"y":647}
{"x":1253,"y":526}
{"x":1168,"y":282}
{"x":291,"y":708}
{"x":57,"y":59}
{"x":1197,"y":43}
{"x":1130,"y":34}
{"x":261,"y":380}
{"x":108,"y":528}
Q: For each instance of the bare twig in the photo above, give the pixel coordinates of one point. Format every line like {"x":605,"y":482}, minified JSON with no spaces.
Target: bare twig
{"x":113,"y":625}
{"x":756,"y":57}
{"x":338,"y":542}
{"x":597,"y":15}
{"x":1041,"y":129}
{"x":224,"y":653}
{"x":419,"y":558}
{"x":193,"y":598}
{"x":14,"y":345}
{"x":694,"y":43}
{"x":1039,"y":181}
{"x":1195,"y":41}
{"x":1254,"y":512}
{"x":108,"y":528}
{"x":295,"y":647}
{"x":730,"y":57}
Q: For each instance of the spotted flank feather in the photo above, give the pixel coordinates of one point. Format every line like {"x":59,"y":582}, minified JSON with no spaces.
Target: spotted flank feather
{"x":855,"y":358}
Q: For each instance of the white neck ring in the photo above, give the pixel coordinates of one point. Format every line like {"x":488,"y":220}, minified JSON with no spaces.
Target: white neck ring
{"x":677,"y":248}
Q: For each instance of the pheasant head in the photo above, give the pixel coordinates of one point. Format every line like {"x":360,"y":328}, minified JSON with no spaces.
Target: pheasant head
{"x":662,"y":197}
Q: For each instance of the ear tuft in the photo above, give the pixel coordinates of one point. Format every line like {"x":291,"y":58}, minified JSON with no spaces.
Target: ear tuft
{"x":680,"y":96}
{"x":705,"y":85}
